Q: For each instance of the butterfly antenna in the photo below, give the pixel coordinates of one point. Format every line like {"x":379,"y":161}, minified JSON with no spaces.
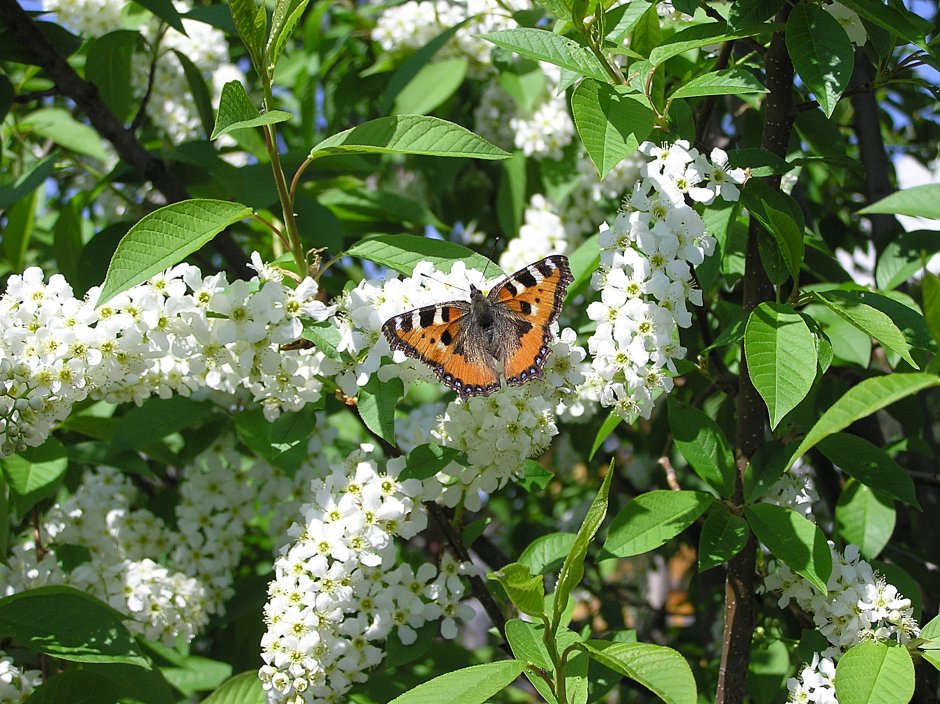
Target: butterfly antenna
{"x":488,"y":260}
{"x":446,"y":283}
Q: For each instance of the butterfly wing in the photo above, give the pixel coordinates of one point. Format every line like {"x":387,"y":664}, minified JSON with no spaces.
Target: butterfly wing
{"x":531,"y":299}
{"x":440,"y":336}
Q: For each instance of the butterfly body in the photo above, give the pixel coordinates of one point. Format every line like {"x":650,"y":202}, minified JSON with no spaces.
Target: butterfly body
{"x":467,"y":343}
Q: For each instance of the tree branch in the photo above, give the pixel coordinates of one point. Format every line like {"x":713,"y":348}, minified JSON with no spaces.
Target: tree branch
{"x":125,"y":143}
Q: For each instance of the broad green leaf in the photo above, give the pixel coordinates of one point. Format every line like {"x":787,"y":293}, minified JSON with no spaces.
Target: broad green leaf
{"x":611,"y":123}
{"x":511,"y":196}
{"x":164,"y":238}
{"x":166,"y":11}
{"x":847,"y":342}
{"x":794,"y":540}
{"x":897,"y":21}
{"x":704,"y":447}
{"x":723,"y":536}
{"x":34,"y":474}
{"x":573,"y":568}
{"x":11,"y":192}
{"x":525,"y":81}
{"x":67,"y":240}
{"x":371,"y":205}
{"x":865,"y":518}
{"x":699,"y":35}
{"x":409,"y":134}
{"x":542,"y":45}
{"x":546,"y":552}
{"x":154,"y":420}
{"x":243,"y":688}
{"x":862,"y":400}
{"x":415,"y":62}
{"x":471,"y":685}
{"x":68,"y":624}
{"x":781,"y":357}
{"x":197,"y":674}
{"x":58,"y":125}
{"x":930,"y":288}
{"x":875,"y":673}
{"x":108,"y":66}
{"x":284,"y":442}
{"x":609,"y":425}
{"x":283,"y":20}
{"x":852,"y":306}
{"x":236,"y":112}
{"x":788,"y":236}
{"x":560,"y":8}
{"x":904,"y":256}
{"x":727,"y":81}
{"x":434,"y":83}
{"x":527,"y":641}
{"x":918,"y":201}
{"x":244,"y":15}
{"x":377,"y":402}
{"x":199,"y":91}
{"x":761,"y":163}
{"x":622,"y":19}
{"x":764,"y":469}
{"x":18,"y":230}
{"x":584,"y":261}
{"x":427,"y":460}
{"x":661,"y":670}
{"x":653,"y":518}
{"x":525,"y":590}
{"x":534,"y":477}
{"x":821,"y":53}
{"x":77,"y":687}
{"x":402,"y":252}
{"x":325,"y":335}
{"x":869,"y":465}
{"x":748,"y":12}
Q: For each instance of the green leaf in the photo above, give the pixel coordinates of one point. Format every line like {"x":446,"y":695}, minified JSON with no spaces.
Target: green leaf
{"x":325,"y":335}
{"x":794,"y":540}
{"x":434,"y":83}
{"x":525,"y":590}
{"x":918,"y":201}
{"x":781,"y":357}
{"x":236,"y":112}
{"x":904,"y":256}
{"x":244,"y":15}
{"x":788,"y":237}
{"x":166,"y":11}
{"x":377,"y":402}
{"x":77,"y":687}
{"x":899,"y":22}
{"x":546,"y":552}
{"x":661,"y":670}
{"x":154,"y":420}
{"x":747,"y":12}
{"x":372,"y":205}
{"x":863,"y":399}
{"x":470,"y":685}
{"x":728,"y":81}
{"x":511,"y":196}
{"x":68,"y":624}
{"x":197,"y":674}
{"x":108,"y":66}
{"x":931,"y":292}
{"x":584,"y":261}
{"x":535,"y":477}
{"x":699,"y":35}
{"x":869,"y":465}
{"x":164,"y":238}
{"x":609,"y":425}
{"x":244,"y":688}
{"x":871,"y":673}
{"x":653,"y":518}
{"x":525,"y":81}
{"x":546,"y":46}
{"x":58,"y":125}
{"x":723,"y":536}
{"x":20,"y":222}
{"x":34,"y":474}
{"x":427,"y":460}
{"x":852,"y":306}
{"x":402,"y":252}
{"x":67,"y":240}
{"x":10,"y":193}
{"x":821,"y":53}
{"x":761,"y":163}
{"x":573,"y":568}
{"x":704,"y":447}
{"x":865,"y":518}
{"x":409,"y":134}
{"x":198,"y":89}
{"x":527,"y":641}
{"x":415,"y":62}
{"x":610,"y":122}
{"x":283,"y":20}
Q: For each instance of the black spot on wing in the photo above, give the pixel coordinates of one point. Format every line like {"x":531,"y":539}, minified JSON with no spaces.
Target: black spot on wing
{"x":426,"y":317}
{"x":525,"y":307}
{"x":404,"y":323}
{"x":446,"y":337}
{"x":525,"y":278}
{"x":545,"y":267}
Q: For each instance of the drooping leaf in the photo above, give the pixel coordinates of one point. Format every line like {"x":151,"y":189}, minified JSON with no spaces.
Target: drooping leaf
{"x":552,"y":48}
{"x":794,"y":540}
{"x":723,"y":536}
{"x":653,"y":518}
{"x":870,"y":465}
{"x":402,"y":252}
{"x":470,"y":685}
{"x":865,"y":518}
{"x":821,"y":53}
{"x":236,"y":112}
{"x":377,"y":403}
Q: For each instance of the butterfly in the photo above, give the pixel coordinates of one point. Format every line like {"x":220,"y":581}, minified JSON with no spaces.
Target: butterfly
{"x":464,"y":341}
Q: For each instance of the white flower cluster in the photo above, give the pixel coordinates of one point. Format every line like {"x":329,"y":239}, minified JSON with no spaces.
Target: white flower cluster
{"x":815,"y":683}
{"x":860,"y":604}
{"x":16,"y":684}
{"x":795,"y":489}
{"x":158,"y":604}
{"x":89,"y":18}
{"x":336,"y":592}
{"x":645,"y":277}
{"x":180,"y":333}
{"x":547,"y":131}
{"x":411,"y":25}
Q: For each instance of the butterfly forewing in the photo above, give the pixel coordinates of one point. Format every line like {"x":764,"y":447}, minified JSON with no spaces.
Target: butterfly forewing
{"x":436,"y":335}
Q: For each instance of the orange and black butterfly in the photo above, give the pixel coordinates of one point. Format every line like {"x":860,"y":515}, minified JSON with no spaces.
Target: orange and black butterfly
{"x":462,"y":341}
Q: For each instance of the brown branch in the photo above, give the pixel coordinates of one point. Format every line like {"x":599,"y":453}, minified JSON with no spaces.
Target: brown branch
{"x":751,"y":419}
{"x":85,"y":95}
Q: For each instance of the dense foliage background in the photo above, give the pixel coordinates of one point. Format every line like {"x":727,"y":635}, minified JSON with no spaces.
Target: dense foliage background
{"x":220,"y":484}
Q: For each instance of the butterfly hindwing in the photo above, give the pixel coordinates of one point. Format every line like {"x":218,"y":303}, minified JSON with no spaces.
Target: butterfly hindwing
{"x":437,"y":336}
